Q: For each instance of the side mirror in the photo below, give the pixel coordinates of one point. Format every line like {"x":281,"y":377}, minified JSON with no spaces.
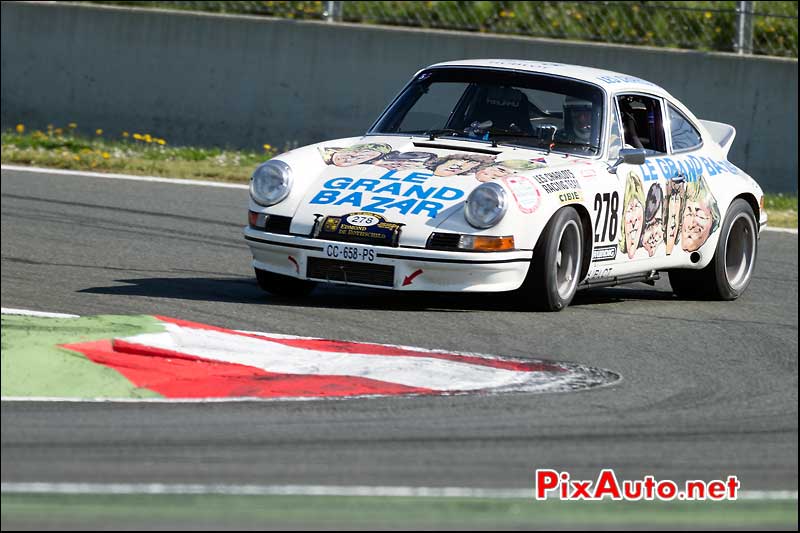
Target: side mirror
{"x":629,"y":156}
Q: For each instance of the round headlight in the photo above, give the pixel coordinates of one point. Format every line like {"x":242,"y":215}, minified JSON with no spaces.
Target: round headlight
{"x":271,"y":183}
{"x":486,"y":205}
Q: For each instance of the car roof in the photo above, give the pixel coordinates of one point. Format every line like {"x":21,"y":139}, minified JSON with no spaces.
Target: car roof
{"x":612,"y":82}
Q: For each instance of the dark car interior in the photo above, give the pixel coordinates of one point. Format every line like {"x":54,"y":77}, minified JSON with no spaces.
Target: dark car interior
{"x":642,"y":122}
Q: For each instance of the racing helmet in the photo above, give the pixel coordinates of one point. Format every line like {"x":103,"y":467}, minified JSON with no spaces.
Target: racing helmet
{"x":578,"y":119}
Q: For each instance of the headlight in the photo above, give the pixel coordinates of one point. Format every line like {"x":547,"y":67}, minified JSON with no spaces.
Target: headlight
{"x":271,"y":183}
{"x":486,"y":205}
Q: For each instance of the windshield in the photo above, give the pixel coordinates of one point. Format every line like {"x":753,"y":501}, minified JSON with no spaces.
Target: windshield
{"x":522,"y":109}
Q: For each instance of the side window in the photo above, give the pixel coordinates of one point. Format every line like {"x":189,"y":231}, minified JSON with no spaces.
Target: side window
{"x":641,"y":123}
{"x":684,"y":136}
{"x":614,"y":138}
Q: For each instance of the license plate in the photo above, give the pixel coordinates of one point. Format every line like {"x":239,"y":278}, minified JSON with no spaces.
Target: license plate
{"x":348,"y":252}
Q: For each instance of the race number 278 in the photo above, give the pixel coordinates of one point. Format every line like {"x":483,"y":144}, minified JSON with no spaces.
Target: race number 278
{"x":608,"y":203}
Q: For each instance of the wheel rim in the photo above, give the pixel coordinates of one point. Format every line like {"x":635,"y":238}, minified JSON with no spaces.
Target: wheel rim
{"x":740,"y":251}
{"x":568,"y":260}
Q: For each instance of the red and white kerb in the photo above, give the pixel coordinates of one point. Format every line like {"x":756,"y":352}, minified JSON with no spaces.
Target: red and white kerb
{"x":191,"y":360}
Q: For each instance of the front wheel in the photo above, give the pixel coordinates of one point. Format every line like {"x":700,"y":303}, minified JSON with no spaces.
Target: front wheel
{"x":281,"y":285}
{"x":556,"y":264}
{"x":730,"y":272}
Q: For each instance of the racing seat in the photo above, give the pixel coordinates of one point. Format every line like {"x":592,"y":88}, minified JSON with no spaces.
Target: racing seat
{"x":507,"y":108}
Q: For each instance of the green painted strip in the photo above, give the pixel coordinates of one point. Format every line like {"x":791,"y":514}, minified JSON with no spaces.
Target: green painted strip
{"x":34,"y":365}
{"x":334,"y":512}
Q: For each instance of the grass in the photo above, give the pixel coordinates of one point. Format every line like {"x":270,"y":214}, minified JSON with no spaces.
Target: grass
{"x":146,"y":154}
{"x":127,"y":152}
{"x":781,"y":209}
{"x":166,"y":511}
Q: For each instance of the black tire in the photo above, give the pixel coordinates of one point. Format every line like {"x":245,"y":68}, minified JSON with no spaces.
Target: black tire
{"x":281,"y":285}
{"x":730,"y":272}
{"x":555,"y":269}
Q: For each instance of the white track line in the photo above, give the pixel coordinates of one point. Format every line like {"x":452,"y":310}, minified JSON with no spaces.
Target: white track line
{"x":238,"y":399}
{"x":156,"y":179}
{"x":26,"y":312}
{"x":309,"y":490}
{"x":781,"y":230}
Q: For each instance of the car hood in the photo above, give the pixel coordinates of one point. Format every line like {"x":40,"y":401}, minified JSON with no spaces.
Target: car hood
{"x":412,"y":181}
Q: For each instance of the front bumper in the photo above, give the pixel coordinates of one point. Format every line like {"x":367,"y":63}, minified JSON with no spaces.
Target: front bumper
{"x":415,"y":269}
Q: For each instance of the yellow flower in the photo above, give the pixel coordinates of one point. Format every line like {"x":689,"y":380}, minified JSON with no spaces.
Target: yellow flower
{"x":708,"y":14}
{"x":72,"y":125}
{"x":138,"y":136}
{"x":161,"y":142}
{"x":106,"y":155}
{"x":20,"y":128}
{"x":267,"y":147}
{"x":125,"y":134}
{"x":76,"y":157}
{"x":98,"y":131}
{"x":148,"y":138}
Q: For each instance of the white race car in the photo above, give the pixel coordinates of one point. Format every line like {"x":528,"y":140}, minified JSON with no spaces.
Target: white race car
{"x":497,"y":175}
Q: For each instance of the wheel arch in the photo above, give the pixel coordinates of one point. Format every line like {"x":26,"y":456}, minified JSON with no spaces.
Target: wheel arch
{"x":753,"y":201}
{"x":588,"y":237}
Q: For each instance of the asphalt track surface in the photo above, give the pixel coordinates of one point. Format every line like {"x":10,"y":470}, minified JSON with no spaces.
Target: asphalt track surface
{"x":709,"y":389}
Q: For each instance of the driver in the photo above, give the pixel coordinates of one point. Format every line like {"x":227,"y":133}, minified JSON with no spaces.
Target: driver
{"x":577,"y":120}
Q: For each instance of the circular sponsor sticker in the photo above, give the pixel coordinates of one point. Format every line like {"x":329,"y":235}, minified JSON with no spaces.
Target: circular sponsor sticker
{"x":362,"y":220}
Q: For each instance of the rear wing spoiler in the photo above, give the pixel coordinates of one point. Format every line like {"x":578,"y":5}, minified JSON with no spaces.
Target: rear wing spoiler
{"x":722,"y":134}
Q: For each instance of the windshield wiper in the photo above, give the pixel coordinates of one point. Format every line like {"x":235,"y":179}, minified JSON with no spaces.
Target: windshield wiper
{"x":509,"y":133}
{"x":432,"y":134}
{"x":594,"y":147}
{"x":537,"y":141}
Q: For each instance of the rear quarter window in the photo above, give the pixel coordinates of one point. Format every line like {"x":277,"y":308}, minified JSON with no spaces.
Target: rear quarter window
{"x":684,"y":136}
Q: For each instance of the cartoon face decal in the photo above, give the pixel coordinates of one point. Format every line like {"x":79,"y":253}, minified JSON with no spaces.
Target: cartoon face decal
{"x":632,"y":215}
{"x":456,"y":164}
{"x":673,"y":213}
{"x":700,"y":216}
{"x":493,"y":172}
{"x":395,"y":160}
{"x":653,"y":234}
{"x":501,"y":169}
{"x":358,"y":154}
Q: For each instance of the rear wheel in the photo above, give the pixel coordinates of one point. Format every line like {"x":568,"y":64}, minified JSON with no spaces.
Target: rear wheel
{"x":281,"y":285}
{"x":730,"y":272}
{"x":556,"y":265}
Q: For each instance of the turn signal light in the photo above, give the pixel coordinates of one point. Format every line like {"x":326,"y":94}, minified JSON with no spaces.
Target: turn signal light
{"x":256,"y":220}
{"x":486,"y":244}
